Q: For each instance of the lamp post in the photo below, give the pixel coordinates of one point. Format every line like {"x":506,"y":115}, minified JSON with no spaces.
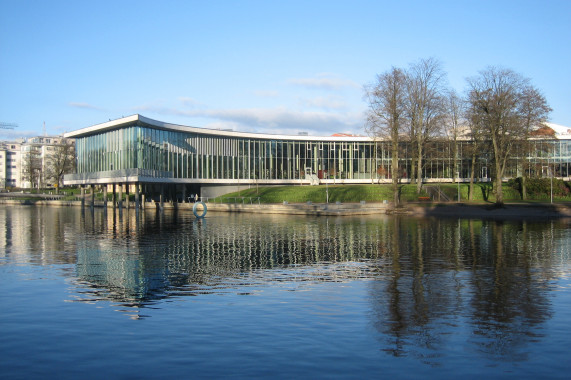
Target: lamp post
{"x":551,"y":175}
{"x":458,"y":180}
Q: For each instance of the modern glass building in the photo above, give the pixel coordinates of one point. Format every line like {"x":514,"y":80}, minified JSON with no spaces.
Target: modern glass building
{"x":178,"y":160}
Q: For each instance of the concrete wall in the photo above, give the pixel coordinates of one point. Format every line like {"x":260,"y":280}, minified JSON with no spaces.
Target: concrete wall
{"x":216,"y":191}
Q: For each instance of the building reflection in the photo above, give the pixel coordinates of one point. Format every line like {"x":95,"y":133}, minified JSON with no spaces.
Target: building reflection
{"x":38,"y":235}
{"x":425,"y":277}
{"x":143,"y":257}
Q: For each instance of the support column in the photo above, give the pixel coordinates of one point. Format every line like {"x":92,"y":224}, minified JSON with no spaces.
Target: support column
{"x":114,"y":199}
{"x":162,"y":197}
{"x":105,"y":197}
{"x":92,"y":195}
{"x":127,"y":200}
{"x":184,"y":194}
{"x":120,"y":195}
{"x":137,"y":201}
{"x":82,"y":195}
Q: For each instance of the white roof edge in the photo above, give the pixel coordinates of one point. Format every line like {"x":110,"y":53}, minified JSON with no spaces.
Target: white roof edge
{"x":113,"y":124}
{"x":103,"y":126}
{"x":561,"y":132}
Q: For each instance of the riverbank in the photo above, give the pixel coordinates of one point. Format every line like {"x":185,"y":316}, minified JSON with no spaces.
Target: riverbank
{"x":417,"y":209}
{"x":491,"y":211}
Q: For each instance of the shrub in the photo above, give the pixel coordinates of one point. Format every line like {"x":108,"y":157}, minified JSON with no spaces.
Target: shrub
{"x":541,"y":187}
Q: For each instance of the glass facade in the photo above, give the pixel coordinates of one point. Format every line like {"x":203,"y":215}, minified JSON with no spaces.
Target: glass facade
{"x":196,"y":156}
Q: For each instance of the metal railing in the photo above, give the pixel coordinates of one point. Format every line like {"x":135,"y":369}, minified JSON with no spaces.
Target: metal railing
{"x":231,"y":200}
{"x":124,"y":173}
{"x":437,"y":194}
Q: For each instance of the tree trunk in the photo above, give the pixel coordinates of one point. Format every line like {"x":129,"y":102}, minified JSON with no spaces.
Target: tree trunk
{"x":499,"y":190}
{"x":419,"y":169}
{"x":455,"y":161}
{"x":413,"y":169}
{"x":472,"y":175}
{"x":499,"y":171}
{"x":395,"y":170}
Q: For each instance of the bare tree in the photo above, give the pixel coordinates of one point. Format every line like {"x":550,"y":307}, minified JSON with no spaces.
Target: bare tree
{"x":453,"y":125}
{"x":386,"y":100}
{"x":425,"y":107}
{"x":501,"y":107}
{"x":32,"y":167}
{"x":478,"y":145}
{"x":60,"y":162}
{"x":534,"y":109}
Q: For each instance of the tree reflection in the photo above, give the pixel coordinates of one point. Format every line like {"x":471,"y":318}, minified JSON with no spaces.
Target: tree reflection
{"x":442,"y":273}
{"x":510,"y":300}
{"x":427,"y":278}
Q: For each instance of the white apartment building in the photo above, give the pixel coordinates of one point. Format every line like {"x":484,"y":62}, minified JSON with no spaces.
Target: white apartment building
{"x":13,"y":155}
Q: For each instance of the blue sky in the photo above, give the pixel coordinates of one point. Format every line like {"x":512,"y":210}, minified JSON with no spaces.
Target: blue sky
{"x":258,"y":66}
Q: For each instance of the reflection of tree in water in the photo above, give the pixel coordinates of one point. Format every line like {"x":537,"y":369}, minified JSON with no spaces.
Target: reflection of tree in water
{"x":509,"y":297}
{"x":417,"y":293}
{"x":437,"y":274}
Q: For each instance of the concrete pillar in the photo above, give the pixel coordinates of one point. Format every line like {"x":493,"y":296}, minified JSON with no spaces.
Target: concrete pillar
{"x":127,"y":200}
{"x":120,"y":195}
{"x":114,"y":199}
{"x":162,"y":200}
{"x":105,"y":197}
{"x":137,"y":201}
{"x":82,"y":195}
{"x":92,"y":195}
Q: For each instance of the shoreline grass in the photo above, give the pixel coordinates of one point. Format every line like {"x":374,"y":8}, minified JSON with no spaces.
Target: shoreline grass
{"x":373,"y":193}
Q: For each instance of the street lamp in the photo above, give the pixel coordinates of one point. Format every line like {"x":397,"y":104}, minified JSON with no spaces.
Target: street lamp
{"x":458,"y":179}
{"x":551,"y":175}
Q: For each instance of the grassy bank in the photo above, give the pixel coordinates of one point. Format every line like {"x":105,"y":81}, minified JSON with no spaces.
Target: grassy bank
{"x":371,"y":193}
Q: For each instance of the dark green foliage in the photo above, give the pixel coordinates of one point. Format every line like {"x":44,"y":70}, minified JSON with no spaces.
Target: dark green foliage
{"x":539,"y":188}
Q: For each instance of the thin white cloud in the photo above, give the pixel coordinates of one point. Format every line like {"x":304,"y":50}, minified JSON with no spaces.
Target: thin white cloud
{"x":83,"y":105}
{"x":191,"y":102}
{"x":12,"y":135}
{"x":281,"y":120}
{"x":325,"y":102}
{"x":324,"y":82}
{"x":269,"y":120}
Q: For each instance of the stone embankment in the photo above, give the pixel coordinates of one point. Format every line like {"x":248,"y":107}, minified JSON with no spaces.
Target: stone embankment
{"x":491,"y":211}
{"x":285,"y":208}
{"x":452,"y":210}
{"x":317,"y":209}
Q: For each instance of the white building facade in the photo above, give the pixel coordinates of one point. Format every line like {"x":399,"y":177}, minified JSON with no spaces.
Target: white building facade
{"x":15,"y":161}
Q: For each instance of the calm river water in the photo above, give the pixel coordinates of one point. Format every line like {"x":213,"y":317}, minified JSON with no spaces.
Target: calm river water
{"x":111,"y":295}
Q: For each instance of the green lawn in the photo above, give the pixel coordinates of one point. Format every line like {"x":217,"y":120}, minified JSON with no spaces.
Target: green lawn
{"x":369,"y":193}
{"x":318,"y":194}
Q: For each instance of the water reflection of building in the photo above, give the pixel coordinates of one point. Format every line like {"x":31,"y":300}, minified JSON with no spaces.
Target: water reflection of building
{"x":424,"y":277}
{"x":42,"y":235}
{"x":146,"y":256}
{"x":149,"y":256}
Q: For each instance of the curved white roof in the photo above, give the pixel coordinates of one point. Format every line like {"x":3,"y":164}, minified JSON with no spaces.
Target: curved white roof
{"x":561,"y":132}
{"x":133,"y":119}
